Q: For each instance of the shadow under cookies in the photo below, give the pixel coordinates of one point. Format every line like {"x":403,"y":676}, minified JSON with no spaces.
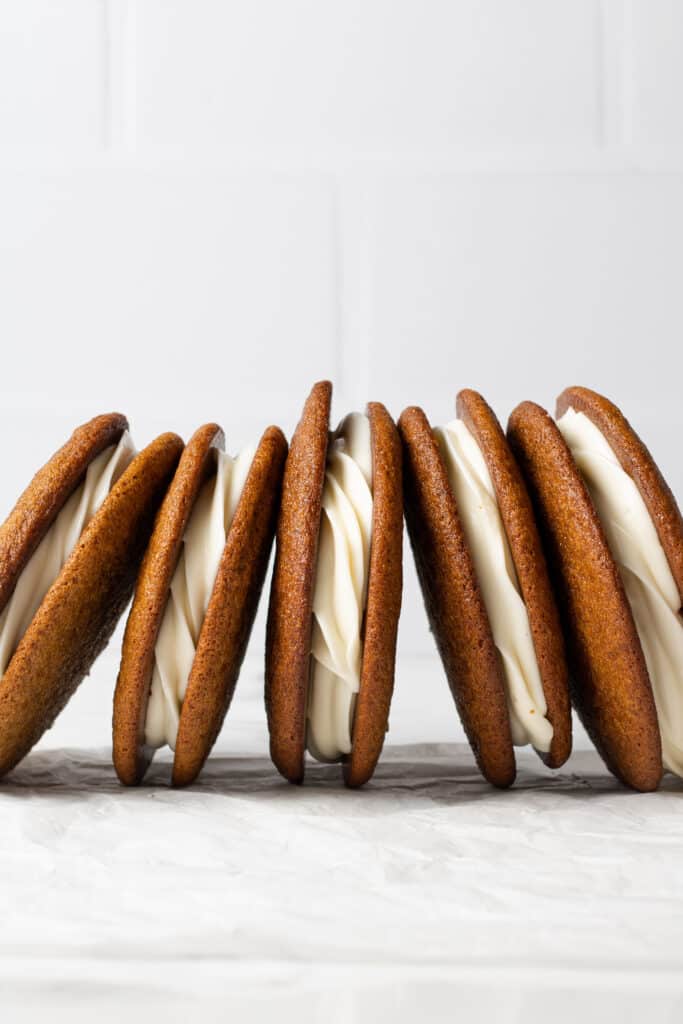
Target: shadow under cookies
{"x":442,"y":773}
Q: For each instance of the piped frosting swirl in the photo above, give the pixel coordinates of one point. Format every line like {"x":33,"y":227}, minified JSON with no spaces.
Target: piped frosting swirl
{"x":340,"y":590}
{"x":191,"y":588}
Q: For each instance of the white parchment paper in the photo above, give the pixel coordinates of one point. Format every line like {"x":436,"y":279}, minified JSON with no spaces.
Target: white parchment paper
{"x":425,"y":896}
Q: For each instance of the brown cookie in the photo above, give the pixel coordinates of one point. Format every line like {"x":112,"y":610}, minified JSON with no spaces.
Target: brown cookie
{"x":131,"y":757}
{"x":527,"y":554}
{"x":48,"y":492}
{"x":608,"y":677}
{"x":81,"y":608}
{"x":229,"y":617}
{"x":288,"y":643}
{"x":290,"y":611}
{"x":453,"y":600}
{"x":385,"y":587}
{"x":230,"y":614}
{"x":637,"y":461}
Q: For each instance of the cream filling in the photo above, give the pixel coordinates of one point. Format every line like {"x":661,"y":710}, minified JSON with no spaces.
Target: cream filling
{"x":649,"y":584}
{"x":191,"y":588}
{"x":49,"y":558}
{"x":488,"y":544}
{"x":340,"y":590}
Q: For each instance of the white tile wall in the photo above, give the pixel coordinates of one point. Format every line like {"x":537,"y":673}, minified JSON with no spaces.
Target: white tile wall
{"x":655,"y":52}
{"x":401,"y":74}
{"x":217,"y":287}
{"x":52,"y":73}
{"x":207,"y":204}
{"x":502,"y":280}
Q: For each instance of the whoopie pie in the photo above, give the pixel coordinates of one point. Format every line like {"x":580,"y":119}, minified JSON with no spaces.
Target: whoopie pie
{"x":486,"y":587}
{"x":614,"y":538}
{"x":336,"y":591}
{"x":69,"y":553}
{"x":195,"y":602}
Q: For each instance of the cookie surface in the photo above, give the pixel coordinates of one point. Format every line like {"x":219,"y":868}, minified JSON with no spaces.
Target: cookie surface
{"x":637,"y":461}
{"x":41,"y":502}
{"x":81,"y":608}
{"x":385,"y":587}
{"x":131,"y":757}
{"x":290,"y":612}
{"x":453,"y":600}
{"x":232,"y":607}
{"x":609,"y":682}
{"x":527,"y":554}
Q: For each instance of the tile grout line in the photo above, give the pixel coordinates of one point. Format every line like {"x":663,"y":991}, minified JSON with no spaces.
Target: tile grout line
{"x":610,"y":73}
{"x":601,"y":60}
{"x":339,"y":282}
{"x":106,"y":75}
{"x":367,"y":262}
{"x":119,"y":77}
{"x":627,"y":75}
{"x":355,"y":303}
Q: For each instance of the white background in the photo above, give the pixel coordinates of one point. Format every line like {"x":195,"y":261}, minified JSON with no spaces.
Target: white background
{"x":207,"y":205}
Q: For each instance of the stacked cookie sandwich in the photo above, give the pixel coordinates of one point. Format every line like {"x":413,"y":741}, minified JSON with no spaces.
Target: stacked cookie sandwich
{"x":69,"y":553}
{"x":486,"y":587}
{"x":550,"y":560}
{"x":195,"y":602}
{"x":614,"y":538}
{"x":336,"y":592}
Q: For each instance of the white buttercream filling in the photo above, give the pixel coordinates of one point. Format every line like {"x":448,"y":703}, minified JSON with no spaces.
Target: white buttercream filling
{"x":340,"y":590}
{"x":507,"y":613}
{"x":191,"y":588}
{"x":47,"y":561}
{"x":648,"y":581}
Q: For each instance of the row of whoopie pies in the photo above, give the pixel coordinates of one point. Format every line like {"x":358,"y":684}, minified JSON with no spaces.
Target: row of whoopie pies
{"x":550,"y":560}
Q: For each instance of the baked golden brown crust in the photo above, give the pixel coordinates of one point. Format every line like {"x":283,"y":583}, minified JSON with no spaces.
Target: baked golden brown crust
{"x":82,"y":607}
{"x":453,"y":600}
{"x":383,"y":607}
{"x":232,"y":607}
{"x":49,"y":490}
{"x":637,"y":461}
{"x":131,"y":757}
{"x":288,"y":634}
{"x":608,"y":676}
{"x":527,"y":554}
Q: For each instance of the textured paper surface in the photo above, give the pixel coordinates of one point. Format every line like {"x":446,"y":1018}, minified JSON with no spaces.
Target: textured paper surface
{"x":426,"y":894}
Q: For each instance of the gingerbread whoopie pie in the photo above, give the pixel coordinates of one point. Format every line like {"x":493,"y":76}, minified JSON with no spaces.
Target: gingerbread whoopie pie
{"x":614,"y":538}
{"x":69,"y":554}
{"x":195,"y":602}
{"x":486,"y":587}
{"x":336,"y":592}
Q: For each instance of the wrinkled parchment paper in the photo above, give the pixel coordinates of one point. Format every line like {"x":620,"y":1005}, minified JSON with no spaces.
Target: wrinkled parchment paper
{"x":427,"y":896}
